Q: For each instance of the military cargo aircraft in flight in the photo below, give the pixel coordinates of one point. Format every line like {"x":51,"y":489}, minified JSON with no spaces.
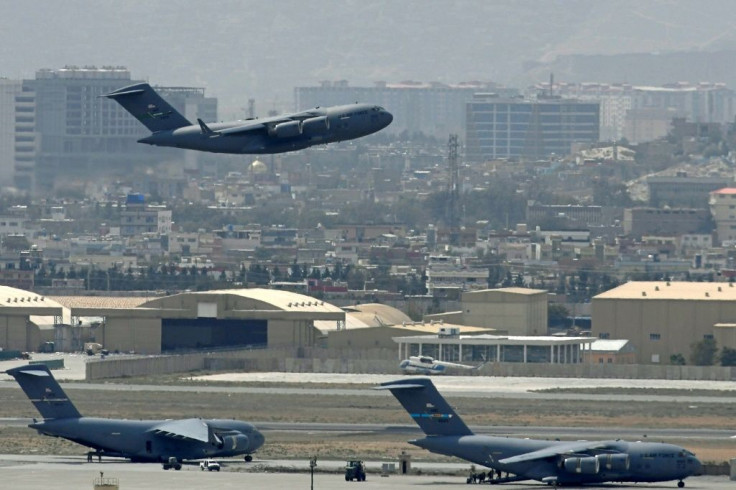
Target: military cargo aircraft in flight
{"x":275,"y":134}
{"x":551,"y":462}
{"x":169,"y":442}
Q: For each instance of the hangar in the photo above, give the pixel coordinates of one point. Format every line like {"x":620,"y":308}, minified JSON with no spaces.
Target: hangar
{"x":191,"y":320}
{"x":662,"y":318}
{"x":27,"y":319}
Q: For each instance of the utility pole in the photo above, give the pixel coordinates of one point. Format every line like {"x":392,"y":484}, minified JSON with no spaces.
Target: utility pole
{"x":453,"y":190}
{"x":312,"y":465}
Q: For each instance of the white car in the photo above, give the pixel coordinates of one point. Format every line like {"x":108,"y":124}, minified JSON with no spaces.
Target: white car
{"x":209,"y":465}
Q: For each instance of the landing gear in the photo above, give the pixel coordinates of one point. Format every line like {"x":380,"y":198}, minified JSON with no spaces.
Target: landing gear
{"x":248,"y":458}
{"x":680,"y":484}
{"x":94,"y":453}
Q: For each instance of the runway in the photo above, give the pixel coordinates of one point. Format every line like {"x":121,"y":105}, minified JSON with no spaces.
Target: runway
{"x":451,"y":386}
{"x":73,"y":473}
{"x":538,"y":432}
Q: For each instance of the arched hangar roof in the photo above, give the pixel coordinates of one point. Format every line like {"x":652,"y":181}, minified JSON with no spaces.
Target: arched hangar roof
{"x":258,"y":298}
{"x":377,"y":314}
{"x":15,"y":301}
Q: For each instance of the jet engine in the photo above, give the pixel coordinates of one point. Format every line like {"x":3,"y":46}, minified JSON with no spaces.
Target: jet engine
{"x":588,"y":465}
{"x":287,"y":129}
{"x":234,"y":441}
{"x":316,"y":125}
{"x":614,"y":462}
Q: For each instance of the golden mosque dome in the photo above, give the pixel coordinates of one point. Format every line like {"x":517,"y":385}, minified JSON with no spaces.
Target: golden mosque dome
{"x":258,"y":167}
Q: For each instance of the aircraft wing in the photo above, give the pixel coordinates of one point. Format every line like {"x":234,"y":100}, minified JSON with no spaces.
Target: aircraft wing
{"x":556,"y":450}
{"x":192,"y":429}
{"x":261,"y":124}
{"x":244,"y":128}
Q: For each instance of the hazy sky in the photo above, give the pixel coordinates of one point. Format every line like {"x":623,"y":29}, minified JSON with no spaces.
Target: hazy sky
{"x":240,"y":49}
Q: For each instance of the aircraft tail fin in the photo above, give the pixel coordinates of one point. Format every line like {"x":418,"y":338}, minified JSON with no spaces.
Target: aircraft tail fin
{"x":427,"y":407}
{"x":148,"y":107}
{"x":44,"y":391}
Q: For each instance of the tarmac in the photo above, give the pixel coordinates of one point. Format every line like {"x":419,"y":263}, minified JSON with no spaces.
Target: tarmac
{"x":67,"y":473}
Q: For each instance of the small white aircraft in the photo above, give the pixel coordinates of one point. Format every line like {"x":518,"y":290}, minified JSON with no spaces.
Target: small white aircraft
{"x":427,"y":365}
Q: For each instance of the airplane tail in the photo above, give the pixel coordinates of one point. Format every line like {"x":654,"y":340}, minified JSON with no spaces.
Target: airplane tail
{"x":427,"y":407}
{"x":44,"y":391}
{"x":148,"y":107}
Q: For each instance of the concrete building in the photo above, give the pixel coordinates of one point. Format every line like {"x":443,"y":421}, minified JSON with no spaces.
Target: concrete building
{"x":607,"y":351}
{"x":562,"y":216}
{"x":663,"y":318}
{"x":137,"y":218}
{"x":681,"y":191}
{"x":434,"y":109}
{"x":528,"y":129}
{"x":76,"y":133}
{"x":495,"y":348}
{"x":669,"y":221}
{"x":450,"y":276}
{"x":12,"y":144}
{"x":723,"y":209}
{"x":516,"y":311}
{"x":644,"y":113}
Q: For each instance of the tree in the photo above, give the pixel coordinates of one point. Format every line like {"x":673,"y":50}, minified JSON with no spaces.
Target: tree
{"x":556,"y":315}
{"x":703,"y":352}
{"x":728,"y":357}
{"x":677,"y":360}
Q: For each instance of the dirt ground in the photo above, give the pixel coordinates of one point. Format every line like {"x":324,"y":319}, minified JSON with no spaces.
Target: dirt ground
{"x":374,"y":410}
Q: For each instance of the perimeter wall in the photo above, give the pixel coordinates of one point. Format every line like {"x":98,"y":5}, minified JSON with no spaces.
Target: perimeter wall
{"x":374,"y":361}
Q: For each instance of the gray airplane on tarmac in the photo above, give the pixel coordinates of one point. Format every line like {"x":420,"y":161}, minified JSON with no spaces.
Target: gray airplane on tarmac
{"x":169,"y":442}
{"x":276,"y":134}
{"x":552,"y":462}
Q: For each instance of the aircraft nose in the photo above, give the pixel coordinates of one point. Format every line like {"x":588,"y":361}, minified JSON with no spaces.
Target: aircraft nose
{"x":257,"y":440}
{"x":388,"y":117}
{"x":697,"y":466}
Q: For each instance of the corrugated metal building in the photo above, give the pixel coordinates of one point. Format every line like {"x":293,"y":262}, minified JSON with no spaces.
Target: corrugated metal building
{"x":662,"y":318}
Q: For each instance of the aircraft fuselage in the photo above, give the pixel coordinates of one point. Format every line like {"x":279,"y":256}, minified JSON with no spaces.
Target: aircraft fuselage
{"x":138,"y":441}
{"x":644,"y":461}
{"x":269,"y":135}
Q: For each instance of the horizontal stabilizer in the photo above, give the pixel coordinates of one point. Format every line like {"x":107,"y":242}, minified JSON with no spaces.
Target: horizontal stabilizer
{"x":399,"y":387}
{"x":203,"y":126}
{"x":117,"y":94}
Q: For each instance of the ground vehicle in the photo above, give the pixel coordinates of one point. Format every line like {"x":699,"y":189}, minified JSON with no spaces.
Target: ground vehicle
{"x":355,"y":470}
{"x":209,"y":465}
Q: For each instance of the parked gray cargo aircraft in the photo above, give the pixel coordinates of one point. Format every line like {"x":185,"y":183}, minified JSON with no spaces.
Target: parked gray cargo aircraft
{"x":551,"y":462}
{"x":277,"y":134}
{"x":169,"y":442}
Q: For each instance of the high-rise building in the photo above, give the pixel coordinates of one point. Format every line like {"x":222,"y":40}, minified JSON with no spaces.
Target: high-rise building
{"x":644,"y":113}
{"x":10,"y":142}
{"x":435,"y":109}
{"x":502,"y":128}
{"x":76,"y":133}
